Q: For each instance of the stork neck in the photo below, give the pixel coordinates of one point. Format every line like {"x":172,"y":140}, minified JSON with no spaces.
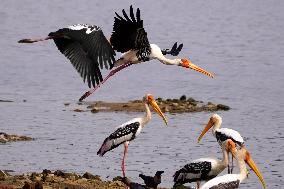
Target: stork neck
{"x":167,"y":61}
{"x":243,"y":169}
{"x":147,"y":116}
{"x":225,"y":160}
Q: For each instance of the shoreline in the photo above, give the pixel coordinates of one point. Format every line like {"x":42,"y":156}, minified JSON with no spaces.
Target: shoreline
{"x":60,"y":180}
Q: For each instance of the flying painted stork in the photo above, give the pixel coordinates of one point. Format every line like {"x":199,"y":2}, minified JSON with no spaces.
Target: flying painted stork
{"x":230,"y":181}
{"x":89,"y":51}
{"x":222,"y":134}
{"x":202,"y":169}
{"x":130,"y":130}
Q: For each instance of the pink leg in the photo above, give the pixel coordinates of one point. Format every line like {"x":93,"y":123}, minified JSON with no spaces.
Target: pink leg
{"x":112,"y":72}
{"x":123,"y":159}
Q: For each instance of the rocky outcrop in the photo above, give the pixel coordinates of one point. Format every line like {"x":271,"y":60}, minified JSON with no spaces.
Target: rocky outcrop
{"x":180,"y":105}
{"x":4,"y":137}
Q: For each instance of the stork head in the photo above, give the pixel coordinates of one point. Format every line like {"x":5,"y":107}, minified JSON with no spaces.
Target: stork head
{"x":149,"y":99}
{"x":215,"y":119}
{"x":245,"y":155}
{"x":186,"y":63}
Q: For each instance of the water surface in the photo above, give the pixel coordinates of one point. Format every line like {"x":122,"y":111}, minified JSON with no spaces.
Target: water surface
{"x":240,"y":41}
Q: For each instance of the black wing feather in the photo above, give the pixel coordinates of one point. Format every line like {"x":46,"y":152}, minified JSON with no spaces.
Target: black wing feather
{"x":128,"y":33}
{"x":87,"y":49}
{"x":202,"y":168}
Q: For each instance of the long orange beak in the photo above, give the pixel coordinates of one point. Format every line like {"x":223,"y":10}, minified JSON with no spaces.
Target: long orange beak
{"x":207,"y":127}
{"x":188,"y":64}
{"x":157,"y":109}
{"x":255,"y":169}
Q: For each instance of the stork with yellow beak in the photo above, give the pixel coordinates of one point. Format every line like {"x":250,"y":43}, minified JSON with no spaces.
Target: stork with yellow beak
{"x":130,"y":130}
{"x":222,"y":134}
{"x":229,"y":181}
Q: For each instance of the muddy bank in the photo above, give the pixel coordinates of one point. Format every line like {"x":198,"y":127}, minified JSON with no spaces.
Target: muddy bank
{"x":180,"y":105}
{"x":4,"y":137}
{"x":59,"y":180}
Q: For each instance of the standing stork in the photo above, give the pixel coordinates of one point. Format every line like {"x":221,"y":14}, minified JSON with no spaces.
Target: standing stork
{"x":202,"y":169}
{"x":230,"y":181}
{"x":89,"y":51}
{"x":222,"y":134}
{"x":130,"y":130}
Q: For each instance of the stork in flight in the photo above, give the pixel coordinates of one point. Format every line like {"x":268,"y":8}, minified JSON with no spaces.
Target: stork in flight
{"x":222,"y":134}
{"x":202,"y":169}
{"x":89,"y":51}
{"x":230,"y":181}
{"x":130,"y":130}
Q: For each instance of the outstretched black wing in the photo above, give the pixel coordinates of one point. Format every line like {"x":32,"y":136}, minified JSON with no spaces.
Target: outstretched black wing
{"x":128,"y":33}
{"x":87,"y":49}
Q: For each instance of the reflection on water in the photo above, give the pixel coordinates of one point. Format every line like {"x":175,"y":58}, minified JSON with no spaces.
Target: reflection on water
{"x":240,"y":41}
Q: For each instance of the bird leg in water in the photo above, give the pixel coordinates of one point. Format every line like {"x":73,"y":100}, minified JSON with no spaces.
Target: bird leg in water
{"x":123,"y":159}
{"x":112,"y":72}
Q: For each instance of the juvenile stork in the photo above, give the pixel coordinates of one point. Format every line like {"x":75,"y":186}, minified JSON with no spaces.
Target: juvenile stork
{"x":222,"y":134}
{"x":130,"y":130}
{"x":230,"y":181}
{"x":89,"y":51}
{"x":202,"y":169}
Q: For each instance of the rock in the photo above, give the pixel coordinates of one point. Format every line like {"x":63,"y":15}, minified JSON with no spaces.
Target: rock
{"x":175,"y":104}
{"x":46,"y":171}
{"x":71,"y":176}
{"x":166,"y":109}
{"x":8,"y":138}
{"x":116,"y":184}
{"x":94,"y":110}
{"x":223,"y":107}
{"x":33,"y":185}
{"x":182,"y":98}
{"x":48,"y":178}
{"x":117,"y":178}
{"x":3,"y":175}
{"x":66,"y":104}
{"x":4,"y":186}
{"x":35,"y":176}
{"x":59,"y":173}
{"x":88,"y":175}
{"x":191,"y":100}
{"x":210,"y":103}
{"x":78,"y":110}
{"x":175,"y":100}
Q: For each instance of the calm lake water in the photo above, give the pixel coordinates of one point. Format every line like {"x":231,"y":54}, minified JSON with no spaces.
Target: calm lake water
{"x":242,"y":42}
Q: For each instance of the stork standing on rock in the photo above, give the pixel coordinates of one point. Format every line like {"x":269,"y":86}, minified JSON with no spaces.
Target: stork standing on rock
{"x":89,"y":51}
